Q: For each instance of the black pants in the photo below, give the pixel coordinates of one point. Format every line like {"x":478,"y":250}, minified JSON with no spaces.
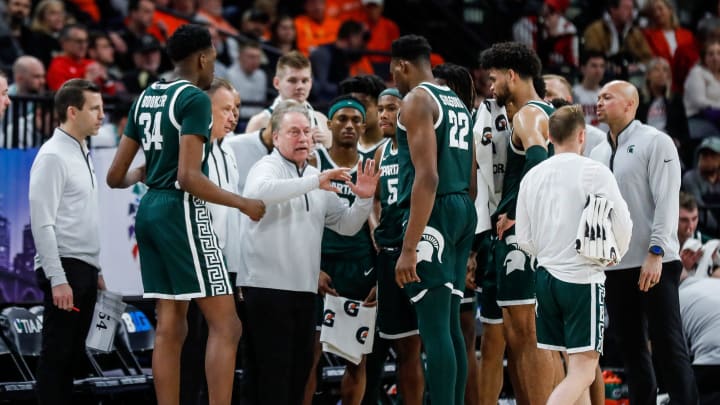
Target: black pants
{"x":707,"y":377}
{"x":64,"y":333}
{"x":635,"y":316}
{"x":280,"y":331}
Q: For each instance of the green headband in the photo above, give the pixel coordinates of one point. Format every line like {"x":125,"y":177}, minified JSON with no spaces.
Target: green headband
{"x":391,"y":91}
{"x":347,"y":103}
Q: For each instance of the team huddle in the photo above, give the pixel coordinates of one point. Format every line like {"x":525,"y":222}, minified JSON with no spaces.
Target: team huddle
{"x":445,"y":202}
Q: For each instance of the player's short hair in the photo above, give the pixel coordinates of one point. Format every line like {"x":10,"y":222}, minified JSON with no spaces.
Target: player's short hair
{"x":460,"y":80}
{"x":72,"y":94}
{"x":284,"y":107}
{"x":372,"y":85}
{"x":687,"y":201}
{"x":564,"y":122}
{"x":413,"y":48}
{"x":187,"y":40}
{"x":293,"y":60}
{"x":512,"y":55}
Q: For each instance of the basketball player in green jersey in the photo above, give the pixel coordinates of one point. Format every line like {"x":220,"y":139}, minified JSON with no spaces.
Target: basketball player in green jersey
{"x":396,"y":319}
{"x":512,"y":68}
{"x":367,"y":88}
{"x":347,"y":262}
{"x":460,"y":80}
{"x":435,"y":155}
{"x":179,"y":253}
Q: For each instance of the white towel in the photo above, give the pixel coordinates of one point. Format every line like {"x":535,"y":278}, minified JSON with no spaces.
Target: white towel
{"x":483,"y":136}
{"x":583,"y":233}
{"x":610,"y":249}
{"x":595,"y":239}
{"x":348,"y":328}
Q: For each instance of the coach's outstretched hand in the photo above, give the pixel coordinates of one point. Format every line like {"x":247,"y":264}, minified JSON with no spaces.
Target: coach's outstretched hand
{"x":367,"y":180}
{"x":326,"y":177}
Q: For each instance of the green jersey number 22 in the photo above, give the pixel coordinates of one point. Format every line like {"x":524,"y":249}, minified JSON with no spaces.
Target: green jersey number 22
{"x":459,"y":129}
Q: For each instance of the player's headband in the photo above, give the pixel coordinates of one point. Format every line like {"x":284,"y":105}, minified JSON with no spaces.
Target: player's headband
{"x":346,"y":103}
{"x":391,"y":91}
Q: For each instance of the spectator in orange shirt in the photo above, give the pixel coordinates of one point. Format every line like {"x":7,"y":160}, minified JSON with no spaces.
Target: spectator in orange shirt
{"x":71,"y":64}
{"x":344,"y":10}
{"x":314,"y":28}
{"x":383,"y":32}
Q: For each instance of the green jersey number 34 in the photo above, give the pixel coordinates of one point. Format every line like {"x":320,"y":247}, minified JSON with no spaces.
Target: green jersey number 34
{"x":152,"y":138}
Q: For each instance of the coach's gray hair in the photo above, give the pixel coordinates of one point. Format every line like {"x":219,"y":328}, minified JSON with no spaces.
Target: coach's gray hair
{"x":285,"y":107}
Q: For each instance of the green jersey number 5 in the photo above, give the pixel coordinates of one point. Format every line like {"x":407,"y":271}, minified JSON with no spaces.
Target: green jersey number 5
{"x":392,"y":188}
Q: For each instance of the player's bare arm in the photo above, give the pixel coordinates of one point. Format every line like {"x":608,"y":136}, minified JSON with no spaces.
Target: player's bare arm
{"x":192,"y":180}
{"x":418,"y":115}
{"x":119,"y":175}
{"x":530,"y":128}
{"x":375,"y":213}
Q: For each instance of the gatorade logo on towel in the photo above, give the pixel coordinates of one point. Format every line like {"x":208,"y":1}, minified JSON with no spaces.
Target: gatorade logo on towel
{"x":352,"y":308}
{"x":362,"y":334}
{"x":329,"y":318}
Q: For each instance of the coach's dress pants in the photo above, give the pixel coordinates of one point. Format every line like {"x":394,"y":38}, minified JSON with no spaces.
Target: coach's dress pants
{"x":636,"y":316}
{"x":64,"y":332}
{"x":280,"y":330}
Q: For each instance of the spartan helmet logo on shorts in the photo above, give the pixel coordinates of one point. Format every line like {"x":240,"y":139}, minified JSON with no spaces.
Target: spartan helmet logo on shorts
{"x":515,"y":258}
{"x":430,"y":241}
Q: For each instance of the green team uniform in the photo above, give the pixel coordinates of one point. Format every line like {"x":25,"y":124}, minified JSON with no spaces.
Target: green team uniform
{"x":396,"y":317}
{"x":179,"y":253}
{"x":369,"y":153}
{"x":446,"y":241}
{"x":349,"y":260}
{"x":514,"y":269}
{"x":569,"y":317}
